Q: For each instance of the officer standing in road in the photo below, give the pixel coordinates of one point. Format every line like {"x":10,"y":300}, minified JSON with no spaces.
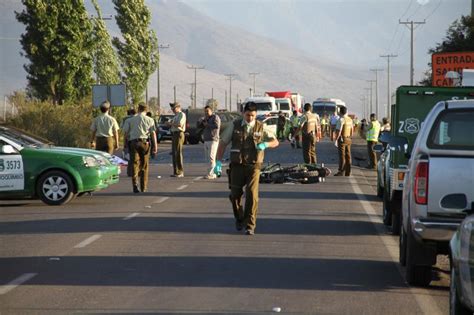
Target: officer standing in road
{"x":211,"y":124}
{"x":177,"y":128}
{"x":309,"y":126}
{"x":372,"y":139}
{"x":295,"y":121}
{"x":126,"y":144}
{"x":139,"y":130}
{"x":105,"y":130}
{"x":249,"y":140}
{"x":344,"y":141}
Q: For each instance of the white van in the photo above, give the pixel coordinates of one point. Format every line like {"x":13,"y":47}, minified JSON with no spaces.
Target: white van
{"x":265,"y":104}
{"x":284,"y":105}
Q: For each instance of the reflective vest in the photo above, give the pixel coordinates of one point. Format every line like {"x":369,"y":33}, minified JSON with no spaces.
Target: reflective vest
{"x":347,"y":126}
{"x":310,"y":124}
{"x":294,"y":120}
{"x":323,"y":121}
{"x":374,"y":131}
{"x":244,"y":144}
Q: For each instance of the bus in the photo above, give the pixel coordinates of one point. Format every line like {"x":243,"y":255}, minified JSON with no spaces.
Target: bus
{"x":327,"y":106}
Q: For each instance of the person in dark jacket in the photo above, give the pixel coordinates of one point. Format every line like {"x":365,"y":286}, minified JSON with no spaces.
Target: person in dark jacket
{"x":211,"y":124}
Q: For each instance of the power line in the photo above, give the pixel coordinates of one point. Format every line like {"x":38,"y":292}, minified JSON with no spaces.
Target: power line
{"x":432,"y":12}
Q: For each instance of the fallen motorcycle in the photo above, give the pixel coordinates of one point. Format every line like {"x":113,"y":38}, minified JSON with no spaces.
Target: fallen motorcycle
{"x":300,"y":173}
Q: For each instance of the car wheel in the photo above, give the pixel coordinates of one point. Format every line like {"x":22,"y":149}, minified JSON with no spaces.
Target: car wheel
{"x":386,"y":211}
{"x":55,"y":188}
{"x":417,"y":275}
{"x":402,"y":245}
{"x":455,"y":305}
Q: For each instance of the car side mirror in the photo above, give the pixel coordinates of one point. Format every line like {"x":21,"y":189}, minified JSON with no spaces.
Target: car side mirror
{"x":8,"y":149}
{"x":378,"y":148}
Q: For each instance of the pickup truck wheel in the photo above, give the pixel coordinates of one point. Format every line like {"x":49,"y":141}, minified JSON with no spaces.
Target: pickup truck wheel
{"x":402,"y":242}
{"x":387,"y":212}
{"x":455,"y":305}
{"x":417,"y":275}
{"x":55,"y":188}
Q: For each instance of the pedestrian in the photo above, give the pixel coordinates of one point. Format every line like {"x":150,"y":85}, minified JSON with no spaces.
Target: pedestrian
{"x":344,"y":141}
{"x":333,"y":122}
{"x":324,"y":125}
{"x":372,"y":139}
{"x":363,"y":129}
{"x":105,"y":131}
{"x":281,"y":122}
{"x":309,"y":127}
{"x":294,"y":122}
{"x":249,"y":140}
{"x":126,"y":143}
{"x":211,"y":124}
{"x":177,"y":128}
{"x":139,"y":130}
{"x":152,"y":155}
{"x":385,"y":125}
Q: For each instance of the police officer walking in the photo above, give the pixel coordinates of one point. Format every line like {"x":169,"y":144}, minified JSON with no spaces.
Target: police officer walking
{"x":139,"y":130}
{"x":309,"y":126}
{"x":372,"y":137}
{"x":344,"y":141}
{"x":105,"y":130}
{"x":177,"y":128}
{"x":249,"y":140}
{"x":294,"y":122}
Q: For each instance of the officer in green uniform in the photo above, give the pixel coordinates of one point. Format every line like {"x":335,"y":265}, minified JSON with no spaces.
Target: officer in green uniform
{"x":372,"y":138}
{"x":309,"y":126}
{"x":177,"y":128}
{"x":344,"y":141}
{"x":139,"y":130}
{"x":105,"y":130}
{"x":295,"y":122}
{"x":249,"y":140}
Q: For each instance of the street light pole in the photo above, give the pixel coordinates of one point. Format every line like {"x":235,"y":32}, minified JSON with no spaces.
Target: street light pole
{"x":158,"y":94}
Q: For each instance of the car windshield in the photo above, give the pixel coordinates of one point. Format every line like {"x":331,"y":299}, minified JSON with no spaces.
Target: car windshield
{"x":164,"y":118}
{"x":284,"y":106}
{"x":23,"y":138}
{"x":453,"y":130}
{"x":263,"y":106}
{"x":323,"y":109}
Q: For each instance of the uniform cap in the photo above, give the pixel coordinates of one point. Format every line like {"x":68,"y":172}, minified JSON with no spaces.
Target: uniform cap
{"x":176,"y":104}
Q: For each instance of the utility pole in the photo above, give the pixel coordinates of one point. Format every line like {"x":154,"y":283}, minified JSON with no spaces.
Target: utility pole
{"x":174,"y":93}
{"x":195,"y":68}
{"x":362,"y":99}
{"x":212,"y":93}
{"x":376,"y":90}
{"x":230,"y":77}
{"x":158,"y":94}
{"x":254,"y":75}
{"x":192,"y":95}
{"x":388,"y":80}
{"x":225,"y":99}
{"x":371,"y":98}
{"x":250,"y":89}
{"x":412,"y":25}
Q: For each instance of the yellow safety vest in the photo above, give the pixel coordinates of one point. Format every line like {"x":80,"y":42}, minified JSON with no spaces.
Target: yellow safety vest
{"x":374,"y":131}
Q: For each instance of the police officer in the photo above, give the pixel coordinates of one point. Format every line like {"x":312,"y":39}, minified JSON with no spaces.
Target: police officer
{"x":344,"y":141}
{"x":177,"y":128}
{"x":105,"y":130}
{"x":372,"y":137}
{"x":249,"y":140}
{"x":310,"y":128}
{"x":139,"y":130}
{"x":295,"y":121}
{"x":126,"y":145}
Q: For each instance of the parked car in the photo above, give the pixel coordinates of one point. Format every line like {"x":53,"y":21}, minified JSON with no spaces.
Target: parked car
{"x":461,"y":296}
{"x":438,"y":187}
{"x":194,"y":132}
{"x":31,"y":169}
{"x":164,"y":132}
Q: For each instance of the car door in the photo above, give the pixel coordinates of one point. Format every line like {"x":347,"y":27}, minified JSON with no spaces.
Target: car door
{"x":12,"y":177}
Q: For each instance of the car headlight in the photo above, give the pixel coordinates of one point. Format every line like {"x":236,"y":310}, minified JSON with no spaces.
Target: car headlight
{"x":466,"y":252}
{"x":90,"y":161}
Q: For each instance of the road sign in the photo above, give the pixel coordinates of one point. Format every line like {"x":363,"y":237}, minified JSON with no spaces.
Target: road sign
{"x":442,"y":63}
{"x":114,"y":93}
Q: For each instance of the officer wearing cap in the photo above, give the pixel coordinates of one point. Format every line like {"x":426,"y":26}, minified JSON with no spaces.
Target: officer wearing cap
{"x":344,"y":141}
{"x":249,"y":139}
{"x":105,"y":130}
{"x":177,"y":128}
{"x":310,"y":127}
{"x":139,"y":130}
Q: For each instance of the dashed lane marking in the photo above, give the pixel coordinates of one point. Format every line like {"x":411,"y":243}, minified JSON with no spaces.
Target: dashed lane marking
{"x":198,"y":178}
{"x":160,"y":200}
{"x":88,"y":241}
{"x":16,"y":282}
{"x":131,"y":216}
{"x":182,"y":187}
{"x":426,"y":303}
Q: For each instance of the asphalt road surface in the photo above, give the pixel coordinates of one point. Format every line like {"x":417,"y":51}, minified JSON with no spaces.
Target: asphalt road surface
{"x":318,"y":248}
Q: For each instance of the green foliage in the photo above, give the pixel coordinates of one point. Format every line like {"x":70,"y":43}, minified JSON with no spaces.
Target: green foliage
{"x":459,"y":37}
{"x":213,"y":103}
{"x":106,"y":65}
{"x":138,"y":52}
{"x":57,"y":43}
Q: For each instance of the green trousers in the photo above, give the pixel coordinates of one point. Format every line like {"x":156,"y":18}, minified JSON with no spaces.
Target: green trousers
{"x":139,"y":156}
{"x":105,"y":144}
{"x":245,"y":176}
{"x":177,"y":152}
{"x":344,"y":151}
{"x":309,"y":148}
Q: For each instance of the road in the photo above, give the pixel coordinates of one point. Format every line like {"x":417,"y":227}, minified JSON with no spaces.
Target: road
{"x":318,"y":249}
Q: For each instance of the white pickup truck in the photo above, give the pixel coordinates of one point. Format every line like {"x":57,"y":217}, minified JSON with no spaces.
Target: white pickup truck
{"x":438,"y":188}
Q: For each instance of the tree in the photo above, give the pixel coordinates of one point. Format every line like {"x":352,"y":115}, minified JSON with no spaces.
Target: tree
{"x":106,"y":65}
{"x":57,"y":43}
{"x":138,"y":52}
{"x":459,"y":37}
{"x":213,"y":103}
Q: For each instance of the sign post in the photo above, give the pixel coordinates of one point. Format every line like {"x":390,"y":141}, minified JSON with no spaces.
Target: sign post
{"x":116,"y":94}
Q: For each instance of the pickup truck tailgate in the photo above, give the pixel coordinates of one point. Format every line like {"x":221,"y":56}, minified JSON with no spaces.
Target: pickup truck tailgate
{"x":450,"y":184}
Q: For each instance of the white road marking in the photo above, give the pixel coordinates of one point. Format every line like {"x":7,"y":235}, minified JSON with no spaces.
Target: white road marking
{"x":131,"y":216}
{"x":88,"y":241}
{"x":16,"y":282}
{"x":160,"y":200}
{"x":182,"y":187}
{"x":425,"y":302}
{"x":198,"y":178}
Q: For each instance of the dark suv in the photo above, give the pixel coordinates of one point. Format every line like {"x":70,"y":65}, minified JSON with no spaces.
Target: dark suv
{"x":163,"y":129}
{"x":193,"y":132}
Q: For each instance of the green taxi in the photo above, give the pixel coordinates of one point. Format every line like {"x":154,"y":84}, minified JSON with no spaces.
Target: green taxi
{"x":31,"y":168}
